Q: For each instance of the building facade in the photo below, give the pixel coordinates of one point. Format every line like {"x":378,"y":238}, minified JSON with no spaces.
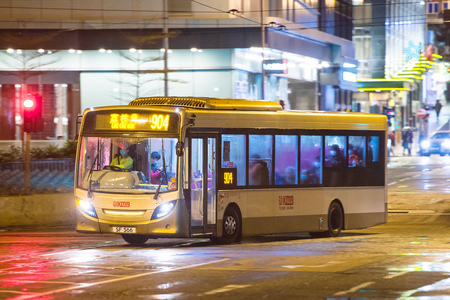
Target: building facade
{"x":384,"y":31}
{"x":80,"y":54}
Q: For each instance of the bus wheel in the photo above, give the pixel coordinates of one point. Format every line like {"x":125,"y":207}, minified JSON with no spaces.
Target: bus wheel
{"x":231,"y":227}
{"x":335,"y":222}
{"x":335,"y":219}
{"x":135,"y":239}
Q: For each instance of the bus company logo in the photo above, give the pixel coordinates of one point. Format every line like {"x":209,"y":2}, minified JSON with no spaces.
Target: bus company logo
{"x":285,"y":200}
{"x":121,"y":204}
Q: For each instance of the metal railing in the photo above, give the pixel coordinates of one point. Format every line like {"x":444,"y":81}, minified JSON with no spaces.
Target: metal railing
{"x":51,"y":164}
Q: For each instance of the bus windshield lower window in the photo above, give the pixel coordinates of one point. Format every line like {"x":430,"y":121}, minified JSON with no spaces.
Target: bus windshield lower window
{"x":127,"y":165}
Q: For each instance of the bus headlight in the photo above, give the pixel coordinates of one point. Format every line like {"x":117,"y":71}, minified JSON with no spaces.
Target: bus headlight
{"x":87,"y":208}
{"x":163,"y":210}
{"x":425,"y":144}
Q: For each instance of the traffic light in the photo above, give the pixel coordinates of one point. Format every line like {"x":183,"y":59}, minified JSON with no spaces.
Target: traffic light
{"x":32,"y":113}
{"x":389,"y":112}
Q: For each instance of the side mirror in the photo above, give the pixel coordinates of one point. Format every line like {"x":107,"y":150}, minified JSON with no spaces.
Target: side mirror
{"x":180,"y":149}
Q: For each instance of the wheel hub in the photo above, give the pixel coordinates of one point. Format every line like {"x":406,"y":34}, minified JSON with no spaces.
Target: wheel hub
{"x":230,"y":225}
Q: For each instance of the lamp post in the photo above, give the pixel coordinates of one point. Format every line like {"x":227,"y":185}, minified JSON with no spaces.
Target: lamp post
{"x":263,"y":42}
{"x":166,"y":48}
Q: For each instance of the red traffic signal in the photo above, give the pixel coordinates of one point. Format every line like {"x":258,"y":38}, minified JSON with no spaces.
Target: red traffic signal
{"x":32,"y":114}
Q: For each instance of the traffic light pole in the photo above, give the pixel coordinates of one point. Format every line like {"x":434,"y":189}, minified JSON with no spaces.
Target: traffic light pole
{"x":27,"y":163}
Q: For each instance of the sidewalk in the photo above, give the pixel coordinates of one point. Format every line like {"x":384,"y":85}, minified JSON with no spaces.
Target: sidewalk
{"x":441,"y":124}
{"x":433,"y":125}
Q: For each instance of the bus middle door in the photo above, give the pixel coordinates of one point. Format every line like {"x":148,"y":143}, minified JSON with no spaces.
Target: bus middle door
{"x":203,"y":184}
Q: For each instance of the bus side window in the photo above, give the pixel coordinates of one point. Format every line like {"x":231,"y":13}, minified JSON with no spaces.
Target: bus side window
{"x":286,"y":162}
{"x":311,"y":159}
{"x":260,"y":160}
{"x":373,"y":149}
{"x":335,"y":151}
{"x":234,"y":155}
{"x":356,"y":151}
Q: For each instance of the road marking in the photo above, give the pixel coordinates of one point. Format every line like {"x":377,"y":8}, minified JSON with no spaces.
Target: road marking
{"x":13,"y":292}
{"x":395,"y":275}
{"x":354,"y":289}
{"x":162,"y":296}
{"x":327,"y":264}
{"x":392,"y":183}
{"x":85,"y":285}
{"x":226,"y":289}
{"x":403,"y":179}
{"x":39,"y":281}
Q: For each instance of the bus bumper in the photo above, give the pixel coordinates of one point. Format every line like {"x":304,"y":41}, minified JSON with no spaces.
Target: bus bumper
{"x":176,"y":224}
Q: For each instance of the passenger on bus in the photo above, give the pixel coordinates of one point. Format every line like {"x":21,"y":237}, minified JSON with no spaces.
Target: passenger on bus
{"x":304,"y":176}
{"x":314,"y":172}
{"x":123,"y":160}
{"x":353,"y":159}
{"x":258,"y":171}
{"x":335,"y":159}
{"x":290,"y":175}
{"x":154,"y":170}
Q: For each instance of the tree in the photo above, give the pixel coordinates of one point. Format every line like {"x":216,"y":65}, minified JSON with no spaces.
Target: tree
{"x":28,"y":63}
{"x":136,"y":80}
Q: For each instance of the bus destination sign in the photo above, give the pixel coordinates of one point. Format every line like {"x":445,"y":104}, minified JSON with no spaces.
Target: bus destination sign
{"x":133,"y":121}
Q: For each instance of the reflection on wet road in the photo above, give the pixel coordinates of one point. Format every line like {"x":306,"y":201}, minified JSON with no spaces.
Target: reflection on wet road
{"x":387,"y":261}
{"x":407,"y":258}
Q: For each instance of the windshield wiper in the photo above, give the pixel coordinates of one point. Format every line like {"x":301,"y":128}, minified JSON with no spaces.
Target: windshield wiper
{"x":163,"y":172}
{"x":89,"y":194}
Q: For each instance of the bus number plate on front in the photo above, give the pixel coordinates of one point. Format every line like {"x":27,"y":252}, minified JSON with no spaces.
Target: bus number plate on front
{"x":118,"y":229}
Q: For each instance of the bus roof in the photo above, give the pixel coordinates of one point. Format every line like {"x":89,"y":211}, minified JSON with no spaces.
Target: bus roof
{"x":235,"y":113}
{"x":239,"y":113}
{"x":208,"y":103}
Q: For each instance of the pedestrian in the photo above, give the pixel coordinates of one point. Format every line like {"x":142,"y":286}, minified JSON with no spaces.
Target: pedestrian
{"x":437,"y":108}
{"x":407,"y":142}
{"x":391,"y":142}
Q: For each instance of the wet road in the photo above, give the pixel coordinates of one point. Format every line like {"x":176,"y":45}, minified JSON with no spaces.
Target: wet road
{"x":407,"y":258}
{"x":419,"y":174}
{"x":388,"y":261}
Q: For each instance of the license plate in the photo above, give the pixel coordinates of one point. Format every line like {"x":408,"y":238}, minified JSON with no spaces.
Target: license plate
{"x":119,"y":229}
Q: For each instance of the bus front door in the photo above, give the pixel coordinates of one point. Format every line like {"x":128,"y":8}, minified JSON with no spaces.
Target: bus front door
{"x":203,"y":185}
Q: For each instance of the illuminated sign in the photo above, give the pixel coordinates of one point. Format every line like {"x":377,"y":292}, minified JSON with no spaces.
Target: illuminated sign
{"x":275,"y":66}
{"x":135,"y":121}
{"x":349,"y":76}
{"x":228,"y":177}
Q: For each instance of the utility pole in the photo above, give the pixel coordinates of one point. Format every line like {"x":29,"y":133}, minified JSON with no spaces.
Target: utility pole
{"x":166,"y":48}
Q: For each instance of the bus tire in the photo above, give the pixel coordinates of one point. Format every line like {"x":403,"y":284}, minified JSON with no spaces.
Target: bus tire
{"x":231,"y":226}
{"x":135,"y":239}
{"x":335,"y":222}
{"x":335,"y":219}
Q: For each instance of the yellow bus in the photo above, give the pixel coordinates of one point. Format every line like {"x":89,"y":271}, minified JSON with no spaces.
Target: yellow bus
{"x":166,"y":167}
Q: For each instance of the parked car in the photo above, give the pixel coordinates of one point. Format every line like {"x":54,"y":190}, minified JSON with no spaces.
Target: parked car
{"x":439,"y":143}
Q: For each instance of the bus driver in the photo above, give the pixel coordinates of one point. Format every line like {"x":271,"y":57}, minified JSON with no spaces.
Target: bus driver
{"x":123,"y":161}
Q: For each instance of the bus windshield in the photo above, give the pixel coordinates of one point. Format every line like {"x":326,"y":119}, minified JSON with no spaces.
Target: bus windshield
{"x":127,"y":165}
